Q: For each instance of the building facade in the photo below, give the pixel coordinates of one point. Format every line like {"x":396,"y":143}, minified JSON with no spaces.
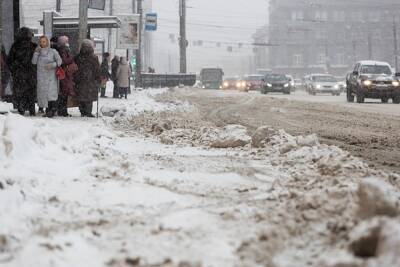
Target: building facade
{"x":325,"y":36}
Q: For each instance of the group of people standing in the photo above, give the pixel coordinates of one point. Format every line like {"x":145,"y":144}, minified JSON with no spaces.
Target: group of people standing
{"x":48,"y":74}
{"x":120,"y":75}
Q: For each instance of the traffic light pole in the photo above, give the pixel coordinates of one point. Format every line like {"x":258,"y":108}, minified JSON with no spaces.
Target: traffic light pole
{"x":138,"y":82}
{"x":83,"y":20}
{"x":182,"y":39}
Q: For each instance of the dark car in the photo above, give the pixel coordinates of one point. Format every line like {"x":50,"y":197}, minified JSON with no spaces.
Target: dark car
{"x":254,"y":81}
{"x":276,"y":83}
{"x":373,"y":79}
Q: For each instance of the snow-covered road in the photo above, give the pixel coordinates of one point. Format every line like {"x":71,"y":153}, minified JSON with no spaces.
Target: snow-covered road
{"x":116,"y":192}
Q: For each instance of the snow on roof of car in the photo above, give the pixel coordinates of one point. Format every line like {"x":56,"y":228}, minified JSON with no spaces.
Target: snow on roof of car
{"x":372,"y":62}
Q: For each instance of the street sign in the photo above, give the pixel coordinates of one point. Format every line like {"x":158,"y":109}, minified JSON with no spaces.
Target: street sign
{"x":151,"y":22}
{"x":97,"y":4}
{"x":128,"y":34}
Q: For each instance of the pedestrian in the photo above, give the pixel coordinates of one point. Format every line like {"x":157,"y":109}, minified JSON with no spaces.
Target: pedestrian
{"x":105,"y":74}
{"x":5,"y":74}
{"x":114,"y":69}
{"x":123,"y":76}
{"x":87,"y":78}
{"x":47,"y":60}
{"x":67,"y":85}
{"x":23,"y":72}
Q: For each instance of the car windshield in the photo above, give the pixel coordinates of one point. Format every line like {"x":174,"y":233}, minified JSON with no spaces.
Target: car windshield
{"x":376,"y":69}
{"x":254,"y":78}
{"x":328,"y":79}
{"x":276,"y":78}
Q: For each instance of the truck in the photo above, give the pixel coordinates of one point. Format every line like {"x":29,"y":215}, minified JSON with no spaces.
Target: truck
{"x":211,"y":78}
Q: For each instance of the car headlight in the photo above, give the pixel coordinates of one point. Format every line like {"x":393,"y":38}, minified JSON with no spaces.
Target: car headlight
{"x":396,"y":83}
{"x":238,"y":84}
{"x":269,"y":85}
{"x":226,"y":84}
{"x":292,"y":83}
{"x":337,"y":86}
{"x":243,"y":84}
{"x":367,"y":82}
{"x":318,"y":86}
{"x":286,"y":85}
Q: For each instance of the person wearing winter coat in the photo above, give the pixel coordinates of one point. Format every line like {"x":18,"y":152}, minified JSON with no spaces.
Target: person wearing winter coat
{"x":123,"y":76}
{"x":67,"y":85}
{"x":87,"y":78}
{"x":47,"y":60}
{"x":5,"y":73}
{"x":23,"y":72}
{"x":105,"y":74}
{"x":114,"y":69}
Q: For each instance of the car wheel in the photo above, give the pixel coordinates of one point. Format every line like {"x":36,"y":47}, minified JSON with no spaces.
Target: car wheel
{"x":360,"y":97}
{"x":350,"y":97}
{"x":396,"y":99}
{"x":384,"y":99}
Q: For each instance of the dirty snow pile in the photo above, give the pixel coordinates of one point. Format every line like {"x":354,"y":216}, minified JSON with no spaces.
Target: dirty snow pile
{"x":159,"y":185}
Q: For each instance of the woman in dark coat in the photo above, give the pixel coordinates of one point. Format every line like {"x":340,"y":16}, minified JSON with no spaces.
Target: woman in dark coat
{"x":23,"y":71}
{"x":87,"y":78}
{"x":67,"y":85}
{"x":114,"y":69}
{"x":5,"y":73}
{"x":105,"y":74}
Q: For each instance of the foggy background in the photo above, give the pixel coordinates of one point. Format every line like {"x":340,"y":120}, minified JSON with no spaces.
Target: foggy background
{"x":218,"y":24}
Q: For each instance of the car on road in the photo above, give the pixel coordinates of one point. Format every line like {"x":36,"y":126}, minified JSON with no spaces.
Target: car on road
{"x":254,"y":81}
{"x":211,"y":78}
{"x":279,"y":83}
{"x":373,"y":79}
{"x":324,"y":84}
{"x":234,"y":83}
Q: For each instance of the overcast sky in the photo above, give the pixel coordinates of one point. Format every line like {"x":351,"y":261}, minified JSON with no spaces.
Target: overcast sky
{"x":228,"y":22}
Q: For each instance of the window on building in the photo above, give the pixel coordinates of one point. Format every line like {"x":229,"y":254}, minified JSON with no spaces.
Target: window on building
{"x":341,"y":59}
{"x":321,"y":34}
{"x":321,"y":15}
{"x":339,"y":16}
{"x":321,"y":58}
{"x":357,"y":16}
{"x":297,"y":15}
{"x":374,"y":16}
{"x":297,"y":60}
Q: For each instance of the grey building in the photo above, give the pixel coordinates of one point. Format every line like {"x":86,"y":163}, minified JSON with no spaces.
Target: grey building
{"x":325,"y":36}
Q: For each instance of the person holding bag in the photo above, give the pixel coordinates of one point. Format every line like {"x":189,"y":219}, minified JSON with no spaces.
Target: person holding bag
{"x":47,"y":60}
{"x":67,"y":85}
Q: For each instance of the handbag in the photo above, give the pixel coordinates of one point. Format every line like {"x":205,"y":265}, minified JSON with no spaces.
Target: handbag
{"x":72,"y":102}
{"x":60,"y":73}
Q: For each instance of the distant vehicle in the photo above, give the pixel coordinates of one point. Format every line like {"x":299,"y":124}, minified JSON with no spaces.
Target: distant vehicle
{"x":291,"y":82}
{"x":254,"y":81}
{"x":276,"y":83}
{"x":342,"y":83}
{"x":232,"y":83}
{"x":323,"y":83}
{"x":298,"y":84}
{"x":211,"y":78}
{"x":373,"y":79}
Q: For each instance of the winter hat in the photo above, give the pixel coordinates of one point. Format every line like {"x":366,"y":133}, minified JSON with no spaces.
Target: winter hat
{"x":63,"y":40}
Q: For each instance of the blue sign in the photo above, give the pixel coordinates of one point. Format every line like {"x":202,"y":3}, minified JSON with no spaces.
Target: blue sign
{"x":151,"y":22}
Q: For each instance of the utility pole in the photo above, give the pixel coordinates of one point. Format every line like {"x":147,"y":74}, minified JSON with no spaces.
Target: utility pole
{"x":111,"y":11}
{"x":370,"y":46}
{"x":396,"y":47}
{"x":134,"y":6}
{"x":1,"y":43}
{"x":182,"y":40}
{"x":139,"y":51}
{"x":58,"y":5}
{"x":83,"y":20}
